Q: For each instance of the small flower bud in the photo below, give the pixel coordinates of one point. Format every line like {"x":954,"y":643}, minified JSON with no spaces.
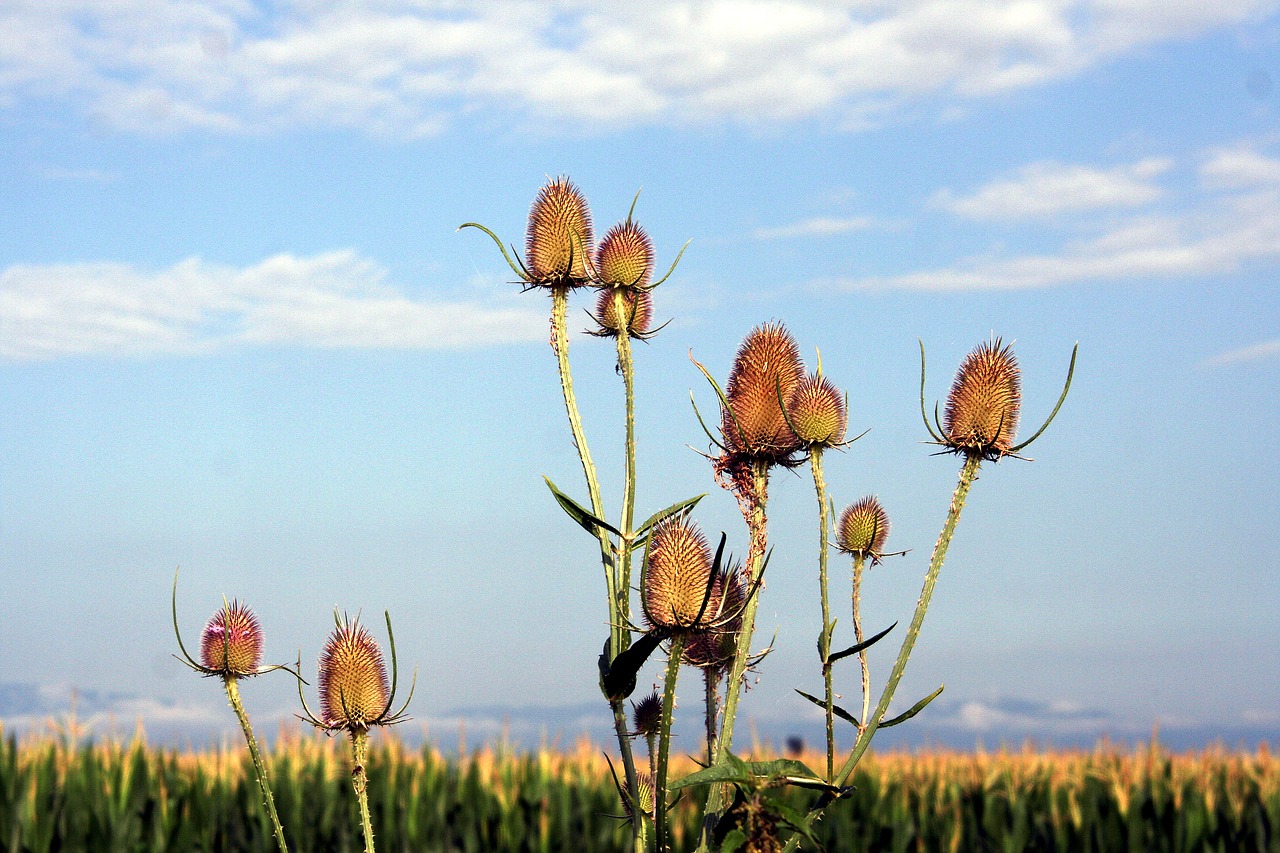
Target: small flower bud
{"x":816,"y":411}
{"x":863,"y":528}
{"x":646,"y":717}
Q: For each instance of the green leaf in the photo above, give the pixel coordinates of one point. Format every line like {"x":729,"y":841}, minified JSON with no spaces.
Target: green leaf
{"x":915,"y":709}
{"x":664,"y":514}
{"x":836,"y":709}
{"x":857,"y":647}
{"x":733,"y":840}
{"x":618,"y":679}
{"x":589,"y":522}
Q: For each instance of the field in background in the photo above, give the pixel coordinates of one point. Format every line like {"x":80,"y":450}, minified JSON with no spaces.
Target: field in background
{"x":57,"y":794}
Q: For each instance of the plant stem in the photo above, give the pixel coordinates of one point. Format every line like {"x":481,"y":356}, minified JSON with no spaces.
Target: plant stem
{"x":360,"y":782}
{"x":757,"y":525}
{"x":711,"y":679}
{"x":824,"y":638}
{"x":661,"y":830}
{"x":859,"y":561}
{"x":233,"y":695}
{"x":627,"y":367}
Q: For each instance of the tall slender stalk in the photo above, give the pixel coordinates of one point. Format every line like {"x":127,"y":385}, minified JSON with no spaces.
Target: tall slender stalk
{"x":711,"y":679}
{"x":360,"y":782}
{"x":233,"y":696}
{"x":662,"y":832}
{"x":859,"y":562}
{"x":824,"y":638}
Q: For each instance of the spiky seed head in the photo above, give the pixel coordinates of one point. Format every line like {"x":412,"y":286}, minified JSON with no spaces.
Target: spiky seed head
{"x":758,"y":820}
{"x":982,"y":410}
{"x":231,"y":644}
{"x":624,"y":257}
{"x":644,"y":794}
{"x":353,"y":679}
{"x":816,"y":410}
{"x":646,"y":716}
{"x":767,"y":361}
{"x":676,"y":575}
{"x":863,"y":528}
{"x":713,"y":648}
{"x":559,"y":237}
{"x":638,"y":305}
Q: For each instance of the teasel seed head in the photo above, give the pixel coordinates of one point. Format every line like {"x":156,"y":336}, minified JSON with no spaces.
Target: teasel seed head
{"x":863,"y":528}
{"x":646,"y":715}
{"x":676,"y":575}
{"x":638,"y":305}
{"x":231,"y":643}
{"x":714,"y":647}
{"x":766,"y":367}
{"x":816,"y":412}
{"x":644,"y":795}
{"x":354,"y":691}
{"x":558,"y":244}
{"x":624,"y":257}
{"x":982,"y":410}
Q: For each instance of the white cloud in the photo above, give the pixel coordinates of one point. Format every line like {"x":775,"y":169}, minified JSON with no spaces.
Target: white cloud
{"x":404,"y":68}
{"x":337,"y":299}
{"x":821,"y":226}
{"x":1255,"y":352}
{"x":1043,"y":190}
{"x":1240,"y":167}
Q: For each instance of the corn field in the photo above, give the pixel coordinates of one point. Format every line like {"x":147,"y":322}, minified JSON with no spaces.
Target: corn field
{"x":58,"y":795}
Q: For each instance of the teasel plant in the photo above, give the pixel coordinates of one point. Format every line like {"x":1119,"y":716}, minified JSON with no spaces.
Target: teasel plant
{"x":355,"y":695}
{"x":231,"y":649}
{"x":560,"y":256}
{"x":979,"y":424}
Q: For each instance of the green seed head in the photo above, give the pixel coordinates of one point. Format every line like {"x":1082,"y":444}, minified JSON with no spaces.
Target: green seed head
{"x":353,"y":679}
{"x":816,"y":411}
{"x":767,"y":361}
{"x":624,"y":257}
{"x":638,"y":308}
{"x":559,"y":236}
{"x":982,"y":409}
{"x":863,"y":528}
{"x":675,"y":579}
{"x":231,"y":644}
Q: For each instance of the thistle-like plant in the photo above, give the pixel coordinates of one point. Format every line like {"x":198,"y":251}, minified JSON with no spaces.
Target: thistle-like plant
{"x":355,"y":695}
{"x":231,"y":649}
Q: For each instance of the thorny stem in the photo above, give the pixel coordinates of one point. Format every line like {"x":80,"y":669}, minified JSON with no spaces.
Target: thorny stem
{"x":360,"y":782}
{"x":757,"y":524}
{"x":824,"y":638}
{"x":662,"y":841}
{"x":711,"y":677}
{"x":859,"y":562}
{"x":968,"y":473}
{"x":233,"y":695}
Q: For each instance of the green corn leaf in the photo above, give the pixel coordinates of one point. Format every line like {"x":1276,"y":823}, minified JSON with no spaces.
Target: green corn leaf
{"x":857,"y":647}
{"x":588,"y":522}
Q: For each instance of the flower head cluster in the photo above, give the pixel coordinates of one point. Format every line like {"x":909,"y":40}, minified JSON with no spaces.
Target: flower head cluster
{"x":354,"y":689}
{"x":231,"y":643}
{"x":863,"y":528}
{"x":559,"y":237}
{"x":982,"y":410}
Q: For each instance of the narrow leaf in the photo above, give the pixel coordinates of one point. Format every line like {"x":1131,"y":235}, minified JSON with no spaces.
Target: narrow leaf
{"x":662,"y":515}
{"x":619,"y":680}
{"x":835,"y":709}
{"x":915,"y":709}
{"x":588,"y":522}
{"x":857,"y":647}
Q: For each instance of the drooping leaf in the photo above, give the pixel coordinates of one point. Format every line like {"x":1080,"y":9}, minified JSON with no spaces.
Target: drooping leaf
{"x":836,"y":709}
{"x":578,"y":513}
{"x":618,"y":679}
{"x":913,"y":710}
{"x":865,"y":644}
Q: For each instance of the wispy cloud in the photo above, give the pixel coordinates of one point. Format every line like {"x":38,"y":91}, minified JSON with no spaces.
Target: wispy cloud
{"x":821,"y":226}
{"x":1043,"y":190}
{"x":1254,"y":352}
{"x":403,"y":68}
{"x":337,"y":299}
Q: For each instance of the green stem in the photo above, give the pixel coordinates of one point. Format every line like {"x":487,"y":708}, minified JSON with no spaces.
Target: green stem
{"x":824,"y":638}
{"x":757,"y":525}
{"x":711,"y":679}
{"x":360,"y":782}
{"x":859,"y":562}
{"x":233,"y":695}
{"x":661,"y":830}
{"x":968,"y":473}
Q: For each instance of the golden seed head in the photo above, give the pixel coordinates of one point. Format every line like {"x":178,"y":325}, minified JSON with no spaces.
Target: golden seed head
{"x":767,"y":361}
{"x":354,"y":691}
{"x":638,"y":305}
{"x":713,"y":648}
{"x":982,"y":409}
{"x":231,"y":643}
{"x":646,"y":717}
{"x":816,"y":410}
{"x":676,"y":576}
{"x":624,"y":257}
{"x":559,"y":237}
{"x":863,"y":528}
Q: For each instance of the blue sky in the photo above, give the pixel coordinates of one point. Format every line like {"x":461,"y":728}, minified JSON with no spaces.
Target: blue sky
{"x":240,"y":333}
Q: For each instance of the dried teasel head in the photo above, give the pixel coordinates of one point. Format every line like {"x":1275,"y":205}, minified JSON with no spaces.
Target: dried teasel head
{"x":638,"y":313}
{"x":713,"y":648}
{"x":816,"y":412}
{"x":767,"y":368}
{"x":863,"y":528}
{"x":676,"y":576}
{"x":558,"y":243}
{"x":982,"y":410}
{"x":646,"y":716}
{"x":231,"y":643}
{"x":354,"y":690}
{"x":624,"y":257}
